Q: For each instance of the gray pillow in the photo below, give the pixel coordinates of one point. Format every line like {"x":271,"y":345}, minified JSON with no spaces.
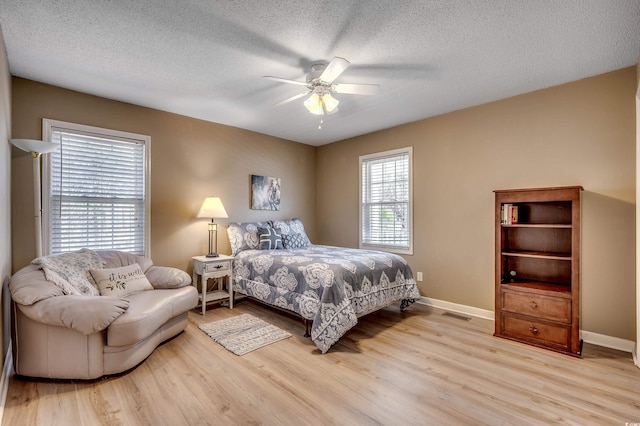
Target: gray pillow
{"x":294,"y":240}
{"x":244,"y":236}
{"x":293,"y":226}
{"x":270,"y":239}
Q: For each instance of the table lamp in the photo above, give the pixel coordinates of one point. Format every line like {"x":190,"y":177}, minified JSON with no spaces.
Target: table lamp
{"x":212,"y":208}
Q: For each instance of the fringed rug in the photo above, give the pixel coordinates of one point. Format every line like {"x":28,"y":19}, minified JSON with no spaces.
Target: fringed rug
{"x":243,"y":333}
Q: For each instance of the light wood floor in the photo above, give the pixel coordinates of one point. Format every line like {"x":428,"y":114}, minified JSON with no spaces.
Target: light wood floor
{"x":417,"y":367}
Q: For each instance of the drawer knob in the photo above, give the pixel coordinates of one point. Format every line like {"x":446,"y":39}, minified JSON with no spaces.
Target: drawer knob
{"x":533,"y":330}
{"x":533,"y":305}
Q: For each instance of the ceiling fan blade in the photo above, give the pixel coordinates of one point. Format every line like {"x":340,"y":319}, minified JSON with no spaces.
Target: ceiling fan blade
{"x":292,"y":98}
{"x":356,"y":89}
{"x":334,"y":69}
{"x":286,"y":80}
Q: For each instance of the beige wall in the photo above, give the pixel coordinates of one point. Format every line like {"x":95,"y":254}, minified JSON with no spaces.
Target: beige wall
{"x":190,"y":159}
{"x":581,"y":133}
{"x":637,"y":347}
{"x":5,"y":196}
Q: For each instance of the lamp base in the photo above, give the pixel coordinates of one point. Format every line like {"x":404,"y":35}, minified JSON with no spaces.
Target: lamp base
{"x":213,"y":255}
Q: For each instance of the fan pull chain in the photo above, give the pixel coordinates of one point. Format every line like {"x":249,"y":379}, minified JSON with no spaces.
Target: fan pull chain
{"x":320,"y":125}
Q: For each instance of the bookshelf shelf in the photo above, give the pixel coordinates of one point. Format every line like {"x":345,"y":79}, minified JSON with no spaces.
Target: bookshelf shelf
{"x":537,"y":225}
{"x":537,"y":287}
{"x":538,"y":255}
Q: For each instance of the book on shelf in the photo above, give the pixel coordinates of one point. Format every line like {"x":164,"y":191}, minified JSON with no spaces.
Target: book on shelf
{"x":508,"y":214}
{"x":504,"y":208}
{"x":513,"y":215}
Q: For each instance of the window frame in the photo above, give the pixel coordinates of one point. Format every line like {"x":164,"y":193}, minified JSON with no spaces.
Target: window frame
{"x":48,"y":127}
{"x":408,"y":249}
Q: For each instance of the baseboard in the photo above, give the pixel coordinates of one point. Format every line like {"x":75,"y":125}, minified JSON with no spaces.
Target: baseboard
{"x":587,"y":336}
{"x":4,"y":380}
{"x":455,"y":307}
{"x":608,"y":341}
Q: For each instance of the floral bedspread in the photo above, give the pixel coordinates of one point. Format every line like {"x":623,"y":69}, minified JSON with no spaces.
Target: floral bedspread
{"x":331,"y":286}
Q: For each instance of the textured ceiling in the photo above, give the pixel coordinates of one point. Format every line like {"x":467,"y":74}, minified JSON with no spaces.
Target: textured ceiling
{"x":205,"y":59}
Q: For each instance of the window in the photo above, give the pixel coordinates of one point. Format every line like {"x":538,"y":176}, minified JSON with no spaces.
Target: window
{"x":95,"y":189}
{"x":386,"y":201}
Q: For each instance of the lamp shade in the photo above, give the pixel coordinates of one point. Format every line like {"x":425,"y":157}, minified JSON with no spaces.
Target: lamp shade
{"x":33,"y":145}
{"x":212,"y":208}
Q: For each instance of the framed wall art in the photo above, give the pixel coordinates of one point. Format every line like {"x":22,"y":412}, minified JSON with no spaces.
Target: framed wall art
{"x":265,"y":193}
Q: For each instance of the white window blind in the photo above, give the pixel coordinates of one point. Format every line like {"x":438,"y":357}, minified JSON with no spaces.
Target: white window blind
{"x":96,"y":195}
{"x":386,"y":201}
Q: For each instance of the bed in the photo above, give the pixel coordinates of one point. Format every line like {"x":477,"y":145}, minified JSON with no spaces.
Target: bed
{"x":328,"y":286}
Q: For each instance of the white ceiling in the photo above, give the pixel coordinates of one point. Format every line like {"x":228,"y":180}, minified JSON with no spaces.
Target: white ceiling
{"x":206,"y":58}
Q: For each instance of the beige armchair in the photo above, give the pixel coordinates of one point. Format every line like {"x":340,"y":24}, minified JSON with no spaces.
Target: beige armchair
{"x":57,"y":335}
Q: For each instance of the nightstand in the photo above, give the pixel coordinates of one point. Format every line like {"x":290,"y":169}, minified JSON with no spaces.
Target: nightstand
{"x":213,"y":267}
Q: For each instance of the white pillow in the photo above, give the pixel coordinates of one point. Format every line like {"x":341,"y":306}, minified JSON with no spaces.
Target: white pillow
{"x":118,"y":282}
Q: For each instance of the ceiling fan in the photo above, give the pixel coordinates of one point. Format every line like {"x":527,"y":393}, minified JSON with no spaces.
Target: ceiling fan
{"x":320,"y":84}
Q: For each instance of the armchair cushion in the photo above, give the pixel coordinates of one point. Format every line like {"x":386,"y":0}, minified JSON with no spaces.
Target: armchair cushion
{"x":162,"y":277}
{"x":115,"y":259}
{"x":147,"y":312}
{"x":86,"y":314}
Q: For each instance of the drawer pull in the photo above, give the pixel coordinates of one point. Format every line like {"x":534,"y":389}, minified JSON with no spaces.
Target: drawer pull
{"x":218,"y":266}
{"x":533,"y":330}
{"x":533,"y":305}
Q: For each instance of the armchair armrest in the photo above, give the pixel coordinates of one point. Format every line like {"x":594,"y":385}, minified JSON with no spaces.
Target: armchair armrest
{"x":29,"y":286}
{"x":86,"y":314}
{"x":162,"y":277}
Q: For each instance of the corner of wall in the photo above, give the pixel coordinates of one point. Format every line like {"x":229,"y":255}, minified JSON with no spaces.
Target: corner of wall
{"x":5,"y":209}
{"x":636,"y":359}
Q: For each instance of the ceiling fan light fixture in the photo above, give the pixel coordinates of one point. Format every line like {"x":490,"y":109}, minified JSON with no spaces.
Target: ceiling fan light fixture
{"x":320,"y":84}
{"x":321,"y":103}
{"x":330,"y":103}
{"x":314,"y":104}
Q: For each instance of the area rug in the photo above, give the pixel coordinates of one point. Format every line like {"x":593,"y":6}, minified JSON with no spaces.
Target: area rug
{"x":243,"y":333}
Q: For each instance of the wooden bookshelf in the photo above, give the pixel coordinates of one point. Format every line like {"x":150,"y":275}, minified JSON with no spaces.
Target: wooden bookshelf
{"x":537,"y":286}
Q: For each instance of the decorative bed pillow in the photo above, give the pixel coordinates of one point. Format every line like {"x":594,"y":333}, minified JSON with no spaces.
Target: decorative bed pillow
{"x":244,"y":236}
{"x":118,"y":282}
{"x":294,"y":240}
{"x":70,"y":271}
{"x":270,"y":239}
{"x":292,"y":227}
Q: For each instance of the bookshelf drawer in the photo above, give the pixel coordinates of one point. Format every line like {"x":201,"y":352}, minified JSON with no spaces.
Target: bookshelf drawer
{"x":538,"y":332}
{"x":536,"y":305}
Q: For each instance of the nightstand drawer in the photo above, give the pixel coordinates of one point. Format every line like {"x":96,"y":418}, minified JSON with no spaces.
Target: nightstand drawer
{"x":217,"y":267}
{"x":536,"y":305}
{"x":529,"y":329}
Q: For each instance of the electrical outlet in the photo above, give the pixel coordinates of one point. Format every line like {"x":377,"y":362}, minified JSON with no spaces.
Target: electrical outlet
{"x":419,"y":276}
